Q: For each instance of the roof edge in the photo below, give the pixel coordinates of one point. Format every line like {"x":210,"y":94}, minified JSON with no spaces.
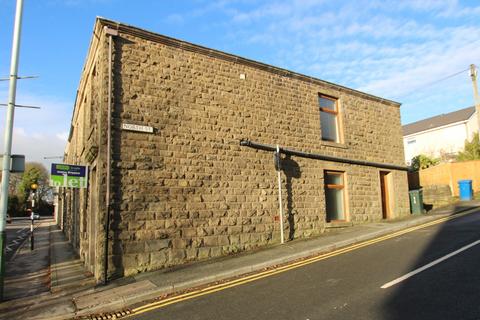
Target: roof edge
{"x":452,"y":124}
{"x":149,"y":35}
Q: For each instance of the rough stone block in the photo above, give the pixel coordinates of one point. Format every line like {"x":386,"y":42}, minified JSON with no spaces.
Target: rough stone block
{"x":203,"y":253}
{"x":210,"y":241}
{"x":159,"y":258}
{"x":134,"y":247}
{"x":157,"y":244}
{"x":176,"y":256}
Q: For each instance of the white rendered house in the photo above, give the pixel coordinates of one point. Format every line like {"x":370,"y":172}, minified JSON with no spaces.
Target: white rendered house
{"x":442,"y":135}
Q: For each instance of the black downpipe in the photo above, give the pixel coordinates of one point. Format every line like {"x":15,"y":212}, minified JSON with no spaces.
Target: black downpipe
{"x":109,"y":33}
{"x":316,"y":156}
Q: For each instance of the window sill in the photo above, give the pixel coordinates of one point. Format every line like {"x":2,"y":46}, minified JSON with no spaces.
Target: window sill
{"x":334,"y":144}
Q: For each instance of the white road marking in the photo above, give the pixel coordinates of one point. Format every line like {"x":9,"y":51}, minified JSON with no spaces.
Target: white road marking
{"x":8,"y":248}
{"x":429,"y":265}
{"x":21,"y":230}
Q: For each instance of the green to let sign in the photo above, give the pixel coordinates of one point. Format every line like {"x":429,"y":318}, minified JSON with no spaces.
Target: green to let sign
{"x":68,"y":176}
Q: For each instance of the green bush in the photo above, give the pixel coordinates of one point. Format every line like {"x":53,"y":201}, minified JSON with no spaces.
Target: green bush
{"x":471,"y":151}
{"x":423,"y":162}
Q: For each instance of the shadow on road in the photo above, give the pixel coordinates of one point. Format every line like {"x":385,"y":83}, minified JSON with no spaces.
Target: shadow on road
{"x":448,"y":290}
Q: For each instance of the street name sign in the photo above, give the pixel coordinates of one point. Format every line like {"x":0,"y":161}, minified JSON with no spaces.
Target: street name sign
{"x":136,"y":127}
{"x":68,"y":176}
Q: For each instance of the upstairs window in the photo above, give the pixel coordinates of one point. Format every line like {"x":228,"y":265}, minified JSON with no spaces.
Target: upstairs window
{"x":328,"y":118}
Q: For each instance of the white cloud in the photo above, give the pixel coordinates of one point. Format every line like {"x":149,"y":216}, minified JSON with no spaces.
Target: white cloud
{"x":38,"y":136}
{"x":35,"y":147}
{"x":388,"y":48}
{"x":175,"y":19}
{"x":17,"y":131}
{"x":77,"y":3}
{"x":271,"y":9}
{"x":63,"y":136}
{"x":36,"y":131}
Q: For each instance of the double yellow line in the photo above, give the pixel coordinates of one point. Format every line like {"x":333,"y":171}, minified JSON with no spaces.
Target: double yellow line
{"x":271,"y":272}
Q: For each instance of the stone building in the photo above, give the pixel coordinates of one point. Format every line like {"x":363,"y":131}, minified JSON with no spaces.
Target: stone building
{"x":179,"y":141}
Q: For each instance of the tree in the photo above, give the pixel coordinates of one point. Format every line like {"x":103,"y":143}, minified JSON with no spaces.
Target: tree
{"x":15,"y":179}
{"x":471,"y":151}
{"x":423,"y":162}
{"x":14,"y":208}
{"x":35,"y":173}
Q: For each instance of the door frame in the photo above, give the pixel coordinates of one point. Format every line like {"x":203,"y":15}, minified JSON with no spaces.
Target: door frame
{"x":386,"y":194}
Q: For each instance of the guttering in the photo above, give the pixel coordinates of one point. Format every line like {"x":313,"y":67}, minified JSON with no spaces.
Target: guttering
{"x":316,"y":156}
{"x":109,"y":33}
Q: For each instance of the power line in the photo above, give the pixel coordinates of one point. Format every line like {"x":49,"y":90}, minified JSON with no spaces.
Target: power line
{"x":413,"y":91}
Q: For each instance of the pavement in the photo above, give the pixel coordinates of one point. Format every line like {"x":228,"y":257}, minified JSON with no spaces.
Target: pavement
{"x":50,"y":282}
{"x":27,"y":271}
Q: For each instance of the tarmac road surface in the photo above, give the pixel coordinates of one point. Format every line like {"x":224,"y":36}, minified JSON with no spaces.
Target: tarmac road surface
{"x":429,"y":273}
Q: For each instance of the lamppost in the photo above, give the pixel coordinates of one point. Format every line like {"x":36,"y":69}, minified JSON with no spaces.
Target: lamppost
{"x":8,"y":138}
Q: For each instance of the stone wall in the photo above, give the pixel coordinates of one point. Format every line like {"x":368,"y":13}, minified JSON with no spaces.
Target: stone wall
{"x":87,"y":146}
{"x":189,"y":191}
{"x":435,"y":196}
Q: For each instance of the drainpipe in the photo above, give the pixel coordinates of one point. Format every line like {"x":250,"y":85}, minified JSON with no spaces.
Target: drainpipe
{"x":316,"y":156}
{"x":109,"y":33}
{"x":277,"y":165}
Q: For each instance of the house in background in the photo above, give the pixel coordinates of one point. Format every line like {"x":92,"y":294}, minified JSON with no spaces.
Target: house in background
{"x":440,"y":136}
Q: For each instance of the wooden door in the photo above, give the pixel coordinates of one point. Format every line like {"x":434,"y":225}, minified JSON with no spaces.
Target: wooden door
{"x":385,"y":194}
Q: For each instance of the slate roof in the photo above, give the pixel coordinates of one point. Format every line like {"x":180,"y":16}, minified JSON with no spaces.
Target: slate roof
{"x":438,"y":121}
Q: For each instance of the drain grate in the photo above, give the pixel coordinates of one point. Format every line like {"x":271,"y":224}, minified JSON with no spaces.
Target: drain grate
{"x":109,"y":315}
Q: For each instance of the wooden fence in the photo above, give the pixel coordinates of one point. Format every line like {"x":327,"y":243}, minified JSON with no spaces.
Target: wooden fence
{"x":449,"y":174}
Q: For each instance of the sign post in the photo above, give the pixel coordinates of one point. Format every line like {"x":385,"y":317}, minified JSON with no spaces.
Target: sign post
{"x":33,"y":187}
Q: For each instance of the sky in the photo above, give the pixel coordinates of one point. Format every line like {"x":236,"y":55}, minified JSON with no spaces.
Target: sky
{"x":413,"y":52}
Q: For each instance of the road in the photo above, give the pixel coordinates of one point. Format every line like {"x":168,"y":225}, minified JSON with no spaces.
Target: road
{"x":349,"y":286}
{"x":17,"y":232}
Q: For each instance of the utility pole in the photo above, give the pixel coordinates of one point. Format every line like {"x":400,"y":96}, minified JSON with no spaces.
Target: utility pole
{"x":8,"y":138}
{"x":473,"y":75}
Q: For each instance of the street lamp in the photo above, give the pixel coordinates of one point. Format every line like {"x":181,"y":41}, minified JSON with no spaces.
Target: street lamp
{"x":8,"y":138}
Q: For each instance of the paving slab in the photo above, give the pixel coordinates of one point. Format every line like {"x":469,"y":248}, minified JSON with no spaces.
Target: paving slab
{"x":114,"y":298}
{"x":28,"y":272}
{"x":67,"y":270}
